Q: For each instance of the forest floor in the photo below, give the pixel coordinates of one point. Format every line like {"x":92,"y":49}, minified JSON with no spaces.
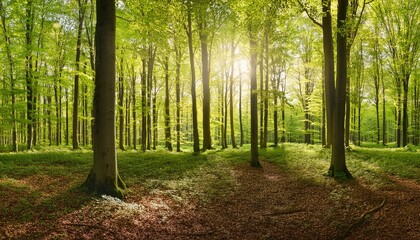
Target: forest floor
{"x":268,"y":203}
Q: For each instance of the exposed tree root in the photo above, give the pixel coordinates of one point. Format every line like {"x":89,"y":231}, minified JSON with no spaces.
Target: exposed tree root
{"x":284,"y":212}
{"x":361,"y":219}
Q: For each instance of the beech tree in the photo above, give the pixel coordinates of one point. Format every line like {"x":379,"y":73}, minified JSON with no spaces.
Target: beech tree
{"x":104,"y":177}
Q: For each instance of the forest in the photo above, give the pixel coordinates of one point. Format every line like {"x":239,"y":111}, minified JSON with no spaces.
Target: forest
{"x":209,"y":119}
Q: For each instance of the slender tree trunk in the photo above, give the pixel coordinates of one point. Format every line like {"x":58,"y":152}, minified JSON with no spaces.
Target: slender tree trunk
{"x":81,"y":17}
{"x":275,"y":86}
{"x":28,"y":75}
{"x":240,"y":110}
{"x":261,"y":72}
{"x":266,"y":90}
{"x":152,"y":54}
{"x":254,"y":101}
{"x":104,"y":177}
{"x":384,"y":125}
{"x":154,"y":114}
{"x":328,"y":67}
{"x":121,"y":105}
{"x":196,"y":139}
{"x":168,"y":137}
{"x":405,"y":111}
{"x":323,"y":119}
{"x":398,"y":113}
{"x":144,"y":107}
{"x":232,"y":125}
{"x":206,"y":85}
{"x":134,"y":111}
{"x":178,"y":97}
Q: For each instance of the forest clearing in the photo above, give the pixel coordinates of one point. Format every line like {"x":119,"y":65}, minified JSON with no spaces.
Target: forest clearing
{"x":215,"y":195}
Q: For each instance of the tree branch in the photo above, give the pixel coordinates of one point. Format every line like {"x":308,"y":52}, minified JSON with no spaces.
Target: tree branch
{"x":306,"y":10}
{"x":361,"y":219}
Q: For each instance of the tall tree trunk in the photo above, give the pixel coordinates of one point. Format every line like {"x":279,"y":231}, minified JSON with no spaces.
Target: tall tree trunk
{"x":152,"y":55}
{"x":104,"y":177}
{"x":154,"y":115}
{"x":168,"y":137}
{"x":178,"y":97}
{"x":240,"y":110}
{"x":206,"y":85}
{"x":328,"y":67}
{"x":266,"y":90}
{"x":384,"y":125}
{"x":323,"y":118}
{"x":232,"y":125}
{"x":121,"y":105}
{"x":338,"y":166}
{"x":261,"y":72}
{"x":28,"y":75}
{"x":254,"y":101}
{"x":81,"y":17}
{"x":134,"y":111}
{"x":405,"y":110}
{"x":398,"y":113}
{"x":144,"y":108}
{"x":66,"y":92}
{"x":196,"y":139}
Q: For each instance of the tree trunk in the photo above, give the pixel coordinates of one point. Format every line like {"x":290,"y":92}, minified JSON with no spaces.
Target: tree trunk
{"x":178,"y":97}
{"x":398,"y":113}
{"x":196,"y":139}
{"x":328,"y":67}
{"x":240,"y":110}
{"x":261,"y":71}
{"x":266,"y":90}
{"x":254,"y":102}
{"x":206,"y":86}
{"x":168,"y":137}
{"x":134,"y":111}
{"x":154,"y":114}
{"x":121,"y":105}
{"x":384,"y":125}
{"x":144,"y":107}
{"x":81,"y":17}
{"x":150,"y":65}
{"x":28,"y":75}
{"x":232,"y":125}
{"x":338,"y":166}
{"x":405,"y":111}
{"x":104,"y":177}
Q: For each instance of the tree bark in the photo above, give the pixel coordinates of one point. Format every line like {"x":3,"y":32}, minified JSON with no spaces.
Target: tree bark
{"x":178,"y":97}
{"x":206,"y":85}
{"x":254,"y":101}
{"x":81,"y":17}
{"x":338,"y":166}
{"x":104,"y":177}
{"x":232,"y":125}
{"x":168,"y":137}
{"x":328,"y":67}
{"x":143,"y":106}
{"x":28,"y":75}
{"x":196,"y":143}
{"x":121,"y":106}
